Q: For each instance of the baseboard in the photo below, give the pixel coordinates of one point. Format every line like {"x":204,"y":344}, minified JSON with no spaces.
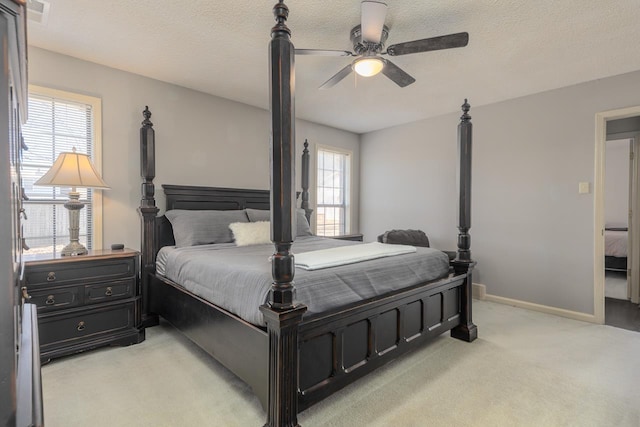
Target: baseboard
{"x":480,"y":292}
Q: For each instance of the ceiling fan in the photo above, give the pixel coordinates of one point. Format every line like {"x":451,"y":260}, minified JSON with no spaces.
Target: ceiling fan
{"x":368,"y":40}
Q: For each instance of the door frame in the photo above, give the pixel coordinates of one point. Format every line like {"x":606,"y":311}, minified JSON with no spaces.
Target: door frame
{"x":633,"y":260}
{"x":598,"y":191}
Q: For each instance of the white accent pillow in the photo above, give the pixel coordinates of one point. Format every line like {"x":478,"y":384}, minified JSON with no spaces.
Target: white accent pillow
{"x":251,"y":233}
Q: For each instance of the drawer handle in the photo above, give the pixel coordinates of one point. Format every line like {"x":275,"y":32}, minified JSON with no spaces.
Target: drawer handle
{"x":109,"y":291}
{"x":51,"y":276}
{"x":81,"y":326}
{"x":50,"y":300}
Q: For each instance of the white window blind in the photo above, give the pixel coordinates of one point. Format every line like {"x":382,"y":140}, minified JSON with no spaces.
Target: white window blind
{"x":55,"y":125}
{"x":332,"y":192}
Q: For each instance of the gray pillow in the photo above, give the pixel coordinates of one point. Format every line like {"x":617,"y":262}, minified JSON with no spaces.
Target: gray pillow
{"x":302,"y":228}
{"x":192,"y":228}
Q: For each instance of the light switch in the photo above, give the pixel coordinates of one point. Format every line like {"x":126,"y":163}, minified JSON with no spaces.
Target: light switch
{"x":583,"y":188}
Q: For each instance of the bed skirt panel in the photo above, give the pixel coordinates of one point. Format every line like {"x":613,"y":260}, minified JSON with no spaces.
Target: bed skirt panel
{"x":239,"y":346}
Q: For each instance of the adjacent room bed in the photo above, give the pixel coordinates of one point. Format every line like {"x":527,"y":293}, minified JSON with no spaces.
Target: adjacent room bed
{"x":294,"y":333}
{"x":615,"y":248}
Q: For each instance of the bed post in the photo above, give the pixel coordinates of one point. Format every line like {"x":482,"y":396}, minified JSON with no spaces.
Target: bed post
{"x":463,"y":264}
{"x":305,"y":182}
{"x":148,"y":212}
{"x":281,"y":313}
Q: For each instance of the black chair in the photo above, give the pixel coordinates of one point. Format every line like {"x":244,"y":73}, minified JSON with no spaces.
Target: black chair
{"x":409,"y":237}
{"x":405,"y":237}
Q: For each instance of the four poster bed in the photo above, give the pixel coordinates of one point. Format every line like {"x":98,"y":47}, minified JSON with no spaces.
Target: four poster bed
{"x":294,"y":352}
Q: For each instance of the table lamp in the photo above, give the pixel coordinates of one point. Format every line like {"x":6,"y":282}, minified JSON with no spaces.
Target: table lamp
{"x":73,"y":170}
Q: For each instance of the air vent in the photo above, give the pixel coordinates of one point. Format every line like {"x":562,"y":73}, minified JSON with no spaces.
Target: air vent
{"x":38,"y":11}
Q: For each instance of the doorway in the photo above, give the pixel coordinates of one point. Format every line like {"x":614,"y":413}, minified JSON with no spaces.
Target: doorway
{"x":617,"y":133}
{"x":621,"y":301}
{"x":617,"y":196}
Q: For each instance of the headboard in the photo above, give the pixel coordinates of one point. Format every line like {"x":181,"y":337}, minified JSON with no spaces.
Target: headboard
{"x":205,"y":198}
{"x":156,"y":231}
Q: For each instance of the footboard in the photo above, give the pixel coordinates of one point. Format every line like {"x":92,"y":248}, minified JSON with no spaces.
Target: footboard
{"x":338,"y":348}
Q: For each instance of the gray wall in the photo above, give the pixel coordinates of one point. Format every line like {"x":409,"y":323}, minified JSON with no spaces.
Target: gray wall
{"x":201,"y":139}
{"x":532,"y":233}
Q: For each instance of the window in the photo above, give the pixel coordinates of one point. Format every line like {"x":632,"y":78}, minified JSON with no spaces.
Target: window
{"x":332,"y":217}
{"x":57,"y":122}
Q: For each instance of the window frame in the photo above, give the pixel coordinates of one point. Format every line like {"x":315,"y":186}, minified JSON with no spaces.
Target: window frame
{"x":348,"y":184}
{"x":96,"y":158}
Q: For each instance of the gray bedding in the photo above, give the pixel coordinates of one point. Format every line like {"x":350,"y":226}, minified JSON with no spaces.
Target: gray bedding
{"x":615,"y":243}
{"x":238,"y":279}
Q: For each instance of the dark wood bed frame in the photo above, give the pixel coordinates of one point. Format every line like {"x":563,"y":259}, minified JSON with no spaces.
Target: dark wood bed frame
{"x":298,"y":360}
{"x":614,"y":263}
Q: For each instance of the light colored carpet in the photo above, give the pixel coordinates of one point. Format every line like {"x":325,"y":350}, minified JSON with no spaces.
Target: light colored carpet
{"x":525,"y":369}
{"x":615,"y":285}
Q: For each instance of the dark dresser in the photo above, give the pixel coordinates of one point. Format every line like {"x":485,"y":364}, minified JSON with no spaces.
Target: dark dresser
{"x":85,"y":301}
{"x":20,"y":382}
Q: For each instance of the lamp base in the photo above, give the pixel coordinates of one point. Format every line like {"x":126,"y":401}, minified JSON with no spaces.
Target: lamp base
{"x":73,"y":249}
{"x":74,"y":205}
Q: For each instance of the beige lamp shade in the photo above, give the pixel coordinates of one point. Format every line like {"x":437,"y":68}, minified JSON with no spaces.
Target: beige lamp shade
{"x":72,"y":170}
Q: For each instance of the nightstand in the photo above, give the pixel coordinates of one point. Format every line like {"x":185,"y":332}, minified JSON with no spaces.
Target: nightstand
{"x":354,"y":237}
{"x":85,"y":301}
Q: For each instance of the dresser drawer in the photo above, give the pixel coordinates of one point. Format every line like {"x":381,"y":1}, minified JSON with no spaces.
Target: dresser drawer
{"x":80,"y":271}
{"x":103,"y":292}
{"x":56,"y":299}
{"x":64,"y":329}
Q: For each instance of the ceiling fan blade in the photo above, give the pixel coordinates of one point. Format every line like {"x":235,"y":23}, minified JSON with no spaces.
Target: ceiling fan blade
{"x":337,"y":77}
{"x":322,"y":52}
{"x":372,"y":16}
{"x":396,"y":74}
{"x":426,"y":45}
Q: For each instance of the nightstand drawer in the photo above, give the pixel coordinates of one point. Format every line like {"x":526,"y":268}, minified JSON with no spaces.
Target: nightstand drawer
{"x":56,"y":299}
{"x":85,"y":324}
{"x":103,"y":292}
{"x":84,"y":270}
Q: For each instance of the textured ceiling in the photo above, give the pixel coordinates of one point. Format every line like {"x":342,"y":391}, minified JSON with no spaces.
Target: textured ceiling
{"x":220,"y":47}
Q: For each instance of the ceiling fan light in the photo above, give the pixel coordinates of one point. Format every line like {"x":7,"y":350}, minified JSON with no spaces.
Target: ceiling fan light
{"x":368,"y":66}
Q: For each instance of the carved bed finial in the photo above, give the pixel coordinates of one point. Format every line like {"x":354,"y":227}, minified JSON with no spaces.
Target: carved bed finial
{"x":281,"y":13}
{"x":465,"y":109}
{"x":305,"y":182}
{"x":282,"y":313}
{"x":148,"y":212}
{"x":282,"y":145}
{"x":464,"y":182}
{"x":463,"y":264}
{"x":147,"y":115}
